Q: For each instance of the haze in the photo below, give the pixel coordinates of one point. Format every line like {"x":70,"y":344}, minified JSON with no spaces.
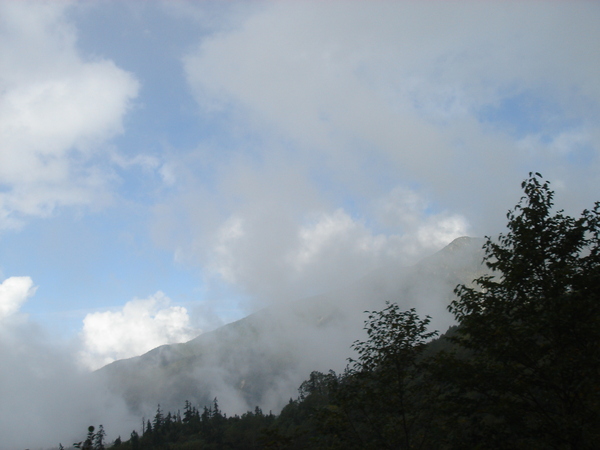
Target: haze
{"x":170,"y":167}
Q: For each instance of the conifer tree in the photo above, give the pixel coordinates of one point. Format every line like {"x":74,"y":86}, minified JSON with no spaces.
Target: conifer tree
{"x":134,"y":440}
{"x":158,"y":419}
{"x":188,"y":412}
{"x":99,"y":438}
{"x":88,"y":444}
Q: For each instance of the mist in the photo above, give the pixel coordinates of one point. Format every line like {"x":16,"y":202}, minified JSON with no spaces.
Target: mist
{"x":205,"y":197}
{"x":47,"y":398}
{"x":50,"y":396}
{"x":261,"y":360}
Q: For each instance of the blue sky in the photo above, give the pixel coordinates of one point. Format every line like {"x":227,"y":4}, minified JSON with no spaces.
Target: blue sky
{"x":210,"y":158}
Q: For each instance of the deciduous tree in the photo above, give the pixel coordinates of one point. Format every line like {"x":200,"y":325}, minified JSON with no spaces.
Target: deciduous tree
{"x":387,"y":383}
{"x":532,"y":330}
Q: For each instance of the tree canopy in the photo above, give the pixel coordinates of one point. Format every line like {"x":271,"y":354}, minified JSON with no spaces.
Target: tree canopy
{"x":532,"y":328}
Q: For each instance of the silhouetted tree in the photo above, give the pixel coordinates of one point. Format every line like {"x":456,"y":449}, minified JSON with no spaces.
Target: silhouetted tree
{"x":89,"y":441}
{"x":532,"y":331}
{"x":386,"y":386}
{"x":188,"y":412}
{"x":158,"y":419}
{"x":99,"y":438}
{"x":134,"y":440}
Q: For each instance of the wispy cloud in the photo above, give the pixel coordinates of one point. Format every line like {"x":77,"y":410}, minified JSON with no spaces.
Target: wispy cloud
{"x":337,"y":106}
{"x":56,"y":109}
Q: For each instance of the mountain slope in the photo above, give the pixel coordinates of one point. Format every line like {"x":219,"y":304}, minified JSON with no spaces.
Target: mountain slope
{"x":262,"y":359}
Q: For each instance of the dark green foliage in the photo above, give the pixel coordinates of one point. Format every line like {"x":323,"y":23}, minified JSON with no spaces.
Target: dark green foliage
{"x":532,"y":330}
{"x":99,"y":438}
{"x":386,"y":390}
{"x":396,"y":339}
{"x":158,"y":419}
{"x":189,"y":413}
{"x":93,"y":441}
{"x":89,"y":441}
{"x":134,"y":441}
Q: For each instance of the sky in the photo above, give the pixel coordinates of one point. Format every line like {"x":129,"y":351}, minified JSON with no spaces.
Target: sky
{"x":168,"y":167}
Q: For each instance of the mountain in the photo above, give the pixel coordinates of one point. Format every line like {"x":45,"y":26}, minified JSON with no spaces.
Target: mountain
{"x":263,"y":358}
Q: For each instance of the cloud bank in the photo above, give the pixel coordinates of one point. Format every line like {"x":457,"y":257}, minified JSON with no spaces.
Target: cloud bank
{"x":48,"y":394}
{"x":140,"y":326}
{"x":46,"y":398}
{"x":367,"y":132}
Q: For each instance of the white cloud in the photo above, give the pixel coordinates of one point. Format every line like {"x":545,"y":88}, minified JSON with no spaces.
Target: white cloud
{"x":438,"y":231}
{"x":337,"y":249}
{"x":55,"y":110}
{"x":141,"y":325}
{"x":14,"y":291}
{"x":146,"y":162}
{"x":400,"y":208}
{"x":168,"y":174}
{"x":38,"y":372}
{"x":375,"y":70}
{"x":347,"y":101}
{"x":274,"y":259}
{"x":224,"y":262}
{"x":405,"y":83}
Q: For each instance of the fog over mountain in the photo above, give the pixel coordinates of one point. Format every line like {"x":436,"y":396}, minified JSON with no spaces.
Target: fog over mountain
{"x":259,"y":360}
{"x":168,"y":168}
{"x":46,"y":397}
{"x":262,"y":359}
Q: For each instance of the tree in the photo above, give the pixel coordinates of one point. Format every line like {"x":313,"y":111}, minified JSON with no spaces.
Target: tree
{"x":188,"y":412}
{"x":134,"y":440}
{"x":532,"y":331}
{"x":99,"y":438}
{"x":386,"y":388}
{"x":396,"y":339}
{"x":217,"y":424}
{"x":89,"y":441}
{"x":158,"y":419}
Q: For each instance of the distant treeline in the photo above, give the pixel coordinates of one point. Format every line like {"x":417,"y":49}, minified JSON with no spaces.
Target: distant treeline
{"x":521,"y":370}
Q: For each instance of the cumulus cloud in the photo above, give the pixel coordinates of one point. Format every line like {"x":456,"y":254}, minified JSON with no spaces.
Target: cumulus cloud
{"x":14,"y":291}
{"x":40,"y":377}
{"x":273,"y":251}
{"x":141,"y":325}
{"x":55,"y":109}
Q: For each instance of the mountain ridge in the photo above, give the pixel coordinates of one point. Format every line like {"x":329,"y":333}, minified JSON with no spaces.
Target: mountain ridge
{"x":261,"y":359}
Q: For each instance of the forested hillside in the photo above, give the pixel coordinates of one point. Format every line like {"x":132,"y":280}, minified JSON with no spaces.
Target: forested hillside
{"x":519,"y":371}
